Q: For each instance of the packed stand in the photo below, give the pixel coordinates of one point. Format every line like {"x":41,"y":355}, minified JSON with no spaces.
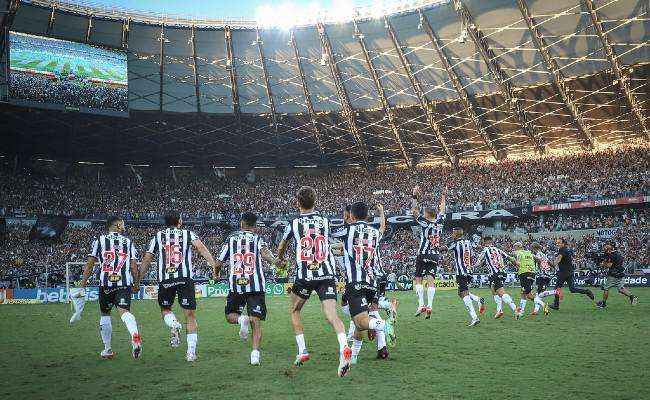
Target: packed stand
{"x":145,"y":193}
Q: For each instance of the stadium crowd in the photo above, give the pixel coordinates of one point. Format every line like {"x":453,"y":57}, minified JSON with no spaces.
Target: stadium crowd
{"x":70,"y":93}
{"x":28,"y":259}
{"x":473,"y":186}
{"x":146,"y":192}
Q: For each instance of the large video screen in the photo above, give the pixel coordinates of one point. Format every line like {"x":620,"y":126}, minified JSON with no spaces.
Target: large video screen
{"x":55,"y":73}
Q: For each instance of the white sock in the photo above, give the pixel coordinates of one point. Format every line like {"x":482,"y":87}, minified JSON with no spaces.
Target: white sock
{"x":106,"y":330}
{"x":475,"y":297}
{"x":381,"y":339}
{"x":356,"y":347}
{"x":192,"y":338}
{"x":131,"y":324}
{"x":497,"y":299}
{"x":243,"y":321}
{"x":538,"y":302}
{"x":385,"y":304}
{"x":300,"y":340}
{"x":522,"y":305}
{"x":470,"y":306}
{"x":547,"y":293}
{"x":419,"y":290}
{"x":351,"y":329}
{"x":346,"y":310}
{"x":376,"y":323}
{"x":343,"y":341}
{"x":431,"y":292}
{"x":508,"y":300}
{"x":171,"y":321}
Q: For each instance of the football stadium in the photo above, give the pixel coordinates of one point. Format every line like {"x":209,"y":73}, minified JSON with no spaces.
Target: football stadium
{"x":411,"y":199}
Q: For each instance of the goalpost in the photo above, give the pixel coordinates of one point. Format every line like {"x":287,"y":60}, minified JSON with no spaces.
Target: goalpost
{"x":72,"y":274}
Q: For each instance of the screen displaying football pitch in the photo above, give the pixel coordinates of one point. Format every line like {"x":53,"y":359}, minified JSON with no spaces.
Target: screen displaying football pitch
{"x":61,"y":74}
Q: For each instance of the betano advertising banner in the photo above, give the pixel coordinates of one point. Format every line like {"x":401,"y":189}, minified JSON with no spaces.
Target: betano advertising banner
{"x":592,"y":203}
{"x":60,"y":295}
{"x":403,"y":283}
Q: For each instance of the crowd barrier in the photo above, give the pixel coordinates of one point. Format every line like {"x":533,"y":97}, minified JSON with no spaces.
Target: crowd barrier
{"x":400,"y":283}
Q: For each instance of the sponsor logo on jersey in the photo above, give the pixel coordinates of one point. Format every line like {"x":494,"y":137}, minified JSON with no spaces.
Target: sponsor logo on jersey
{"x":330,"y":290}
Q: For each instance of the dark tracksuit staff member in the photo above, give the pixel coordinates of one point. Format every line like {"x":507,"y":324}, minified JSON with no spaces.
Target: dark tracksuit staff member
{"x":564,"y":262}
{"x":613,"y":261}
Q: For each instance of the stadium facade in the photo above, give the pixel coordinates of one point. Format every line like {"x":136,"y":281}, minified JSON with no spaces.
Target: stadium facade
{"x":442,"y":82}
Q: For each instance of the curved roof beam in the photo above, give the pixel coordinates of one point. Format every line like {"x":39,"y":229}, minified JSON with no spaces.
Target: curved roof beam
{"x":462,"y":92}
{"x":558,"y":76}
{"x":267,"y":86}
{"x":197,"y":91}
{"x":305,"y":90}
{"x":500,"y":77}
{"x":348,"y":112}
{"x":390,"y":114}
{"x":417,"y":88}
{"x":623,"y":79}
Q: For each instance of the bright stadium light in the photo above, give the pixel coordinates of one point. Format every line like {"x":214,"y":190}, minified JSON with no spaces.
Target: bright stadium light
{"x":287,"y":15}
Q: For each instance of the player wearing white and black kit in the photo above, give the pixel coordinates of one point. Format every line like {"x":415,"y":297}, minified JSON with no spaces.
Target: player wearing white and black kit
{"x":495,"y":258}
{"x":428,"y":256}
{"x":117,"y":256}
{"x":242,"y":254}
{"x":462,"y":250}
{"x":360,"y":242}
{"x":173,"y":248}
{"x":381,"y":277}
{"x":543,"y":270}
{"x":314,"y":271}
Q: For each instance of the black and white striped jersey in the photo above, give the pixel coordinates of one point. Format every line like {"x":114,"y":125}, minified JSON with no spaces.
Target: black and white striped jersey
{"x":495,"y":258}
{"x":543,"y":265}
{"x":360,"y":243}
{"x":311,"y":234}
{"x":430,"y":232}
{"x":114,"y":252}
{"x":462,"y":250}
{"x":173,"y":246}
{"x":242,"y":252}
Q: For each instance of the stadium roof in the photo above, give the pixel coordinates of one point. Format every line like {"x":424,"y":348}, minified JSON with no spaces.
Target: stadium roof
{"x":447,"y":80}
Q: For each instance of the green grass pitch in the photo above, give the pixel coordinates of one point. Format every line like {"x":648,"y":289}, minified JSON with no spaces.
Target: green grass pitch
{"x":577,"y":353}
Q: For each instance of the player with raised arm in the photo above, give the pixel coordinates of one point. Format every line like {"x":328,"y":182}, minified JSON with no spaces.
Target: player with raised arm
{"x":360,"y":242}
{"x":526,"y":273}
{"x":383,"y":303}
{"x":314,"y":272}
{"x":428,"y":256}
{"x":173,"y":246}
{"x":242,"y":253}
{"x":117,"y":260}
{"x":495,"y":258}
{"x":462,"y":251}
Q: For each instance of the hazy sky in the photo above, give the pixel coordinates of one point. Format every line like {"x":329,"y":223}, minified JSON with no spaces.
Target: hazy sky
{"x":209,"y":8}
